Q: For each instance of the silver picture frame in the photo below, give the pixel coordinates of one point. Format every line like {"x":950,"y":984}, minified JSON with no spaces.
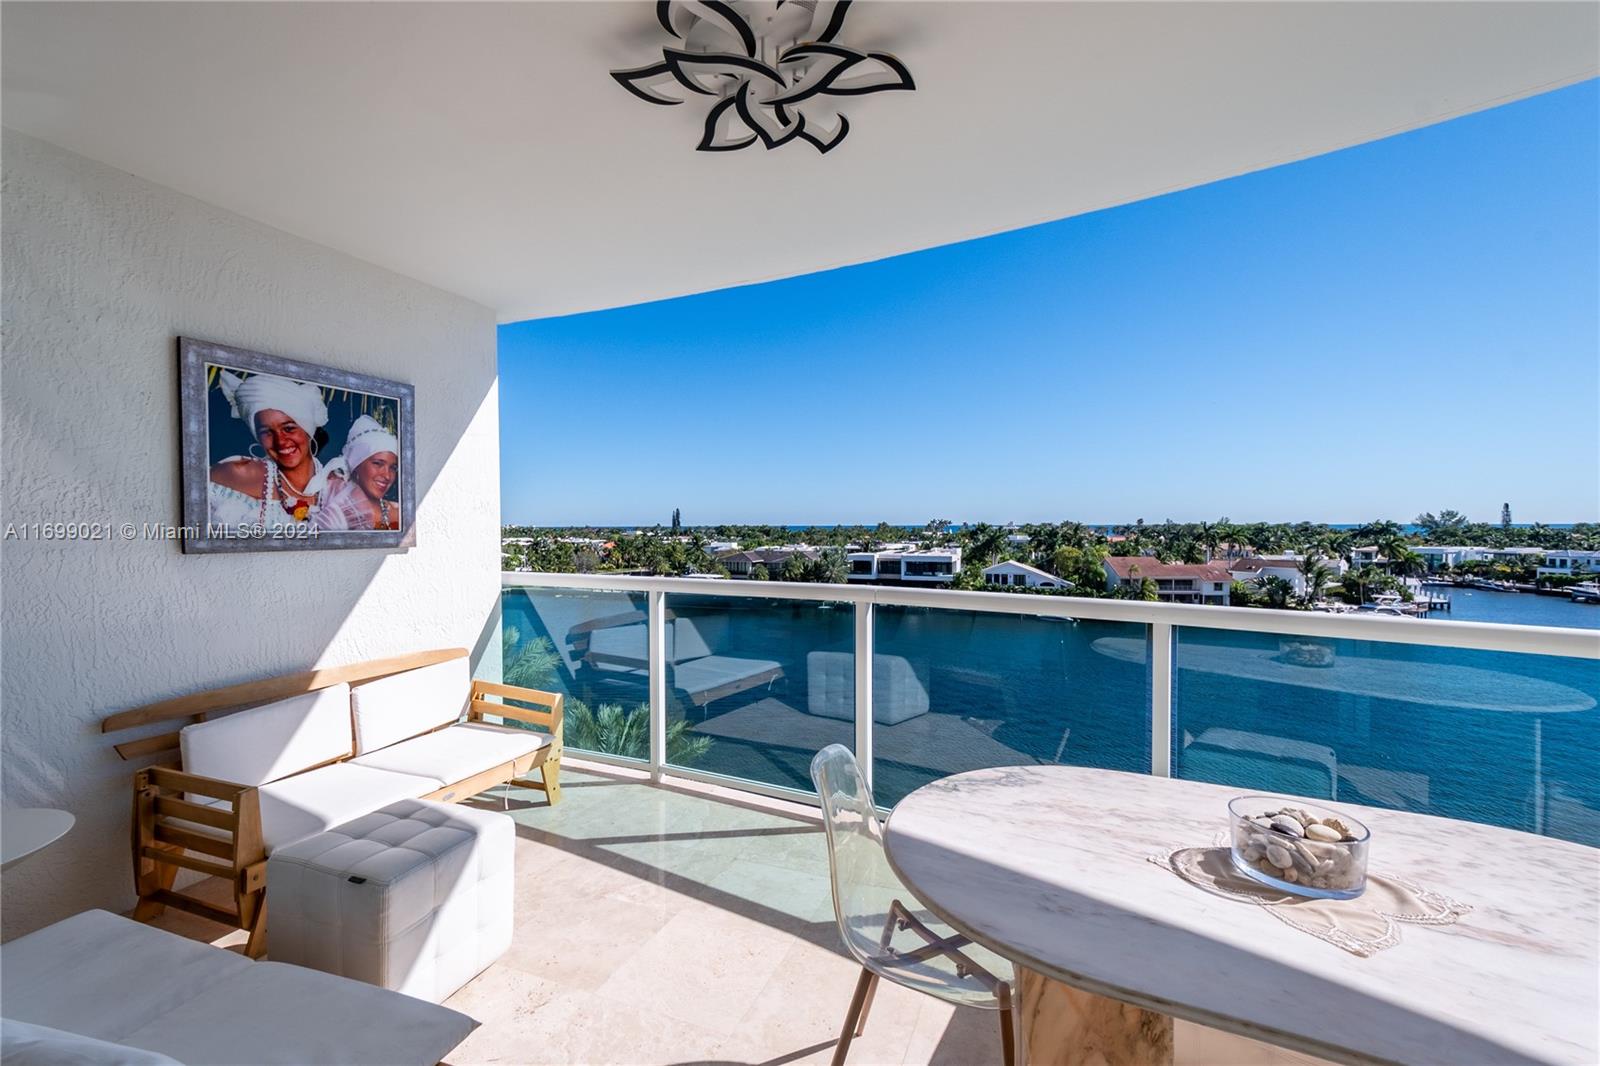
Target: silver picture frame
{"x":197,"y":360}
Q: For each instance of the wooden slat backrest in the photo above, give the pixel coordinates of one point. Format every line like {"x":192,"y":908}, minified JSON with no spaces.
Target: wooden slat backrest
{"x":254,"y":693}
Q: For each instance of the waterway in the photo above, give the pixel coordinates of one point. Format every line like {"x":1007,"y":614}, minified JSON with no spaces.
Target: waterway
{"x":1517,"y":608}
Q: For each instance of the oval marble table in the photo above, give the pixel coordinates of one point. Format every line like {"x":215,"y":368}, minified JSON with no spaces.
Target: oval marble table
{"x":1048,"y":865}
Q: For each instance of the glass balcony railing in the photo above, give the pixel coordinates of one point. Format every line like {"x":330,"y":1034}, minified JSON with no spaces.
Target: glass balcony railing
{"x":961,"y":690}
{"x":590,"y":646}
{"x":743,"y":684}
{"x":756,"y":687}
{"x":1483,"y":736}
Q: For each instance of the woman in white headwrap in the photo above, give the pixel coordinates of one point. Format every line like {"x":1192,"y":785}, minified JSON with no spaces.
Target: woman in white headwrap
{"x":359,"y":481}
{"x":282,"y":486}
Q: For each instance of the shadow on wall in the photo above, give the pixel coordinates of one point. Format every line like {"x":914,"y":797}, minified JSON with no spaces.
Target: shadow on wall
{"x":102,"y":272}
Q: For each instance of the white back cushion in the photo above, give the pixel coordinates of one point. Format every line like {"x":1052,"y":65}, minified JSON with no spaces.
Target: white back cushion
{"x":394,"y":708}
{"x":273,"y":741}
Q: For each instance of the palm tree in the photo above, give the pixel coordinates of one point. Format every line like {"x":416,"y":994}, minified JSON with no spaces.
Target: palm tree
{"x":612,"y":731}
{"x":1317,"y":574}
{"x":1406,"y":562}
{"x":1276,"y":591}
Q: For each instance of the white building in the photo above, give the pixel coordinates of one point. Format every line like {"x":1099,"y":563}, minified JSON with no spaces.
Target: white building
{"x":1440,"y":556}
{"x":1258,"y":569}
{"x":1014,"y":573}
{"x":1175,"y":582}
{"x":1514,"y":556}
{"x":905,"y":566}
{"x":1568,"y":563}
{"x":1368,"y":556}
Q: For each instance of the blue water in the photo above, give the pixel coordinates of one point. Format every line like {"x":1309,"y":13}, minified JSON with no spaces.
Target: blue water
{"x":1501,"y":738}
{"x":1518,"y":608}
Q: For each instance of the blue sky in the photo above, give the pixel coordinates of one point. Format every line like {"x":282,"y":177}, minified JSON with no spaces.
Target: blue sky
{"x":1407,"y":325}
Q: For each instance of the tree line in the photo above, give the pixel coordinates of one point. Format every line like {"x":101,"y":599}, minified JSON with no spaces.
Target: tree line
{"x":1073,"y":551}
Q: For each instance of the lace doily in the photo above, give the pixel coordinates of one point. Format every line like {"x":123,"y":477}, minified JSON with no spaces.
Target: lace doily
{"x":1362,"y":926}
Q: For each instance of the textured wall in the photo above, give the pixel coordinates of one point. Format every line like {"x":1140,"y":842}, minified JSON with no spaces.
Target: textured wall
{"x":101,"y":272}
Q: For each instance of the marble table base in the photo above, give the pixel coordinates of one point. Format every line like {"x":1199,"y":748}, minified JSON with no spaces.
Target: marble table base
{"x":1066,"y":1026}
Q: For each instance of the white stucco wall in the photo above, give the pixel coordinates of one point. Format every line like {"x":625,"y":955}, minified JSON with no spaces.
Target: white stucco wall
{"x":102,"y":271}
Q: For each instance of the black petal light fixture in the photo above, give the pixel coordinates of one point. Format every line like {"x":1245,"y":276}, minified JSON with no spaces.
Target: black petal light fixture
{"x":773,"y":70}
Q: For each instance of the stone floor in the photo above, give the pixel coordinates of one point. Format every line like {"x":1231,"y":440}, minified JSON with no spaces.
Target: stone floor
{"x":688,"y":924}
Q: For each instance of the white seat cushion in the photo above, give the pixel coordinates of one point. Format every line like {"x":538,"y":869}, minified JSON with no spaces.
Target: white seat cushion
{"x":274,"y":1014}
{"x":312,"y":802}
{"x":113,"y":979}
{"x":457,"y":752}
{"x":93,"y":974}
{"x":271,"y":741}
{"x":391,"y":709}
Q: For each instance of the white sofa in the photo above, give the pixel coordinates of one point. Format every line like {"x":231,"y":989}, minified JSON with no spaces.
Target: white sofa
{"x":321,"y":759}
{"x":100,"y":990}
{"x":367,"y":736}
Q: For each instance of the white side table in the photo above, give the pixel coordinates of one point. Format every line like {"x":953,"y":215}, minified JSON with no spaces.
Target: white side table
{"x":25,"y":830}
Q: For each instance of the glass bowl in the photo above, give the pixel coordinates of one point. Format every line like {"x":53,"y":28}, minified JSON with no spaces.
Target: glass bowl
{"x":1299,"y":847}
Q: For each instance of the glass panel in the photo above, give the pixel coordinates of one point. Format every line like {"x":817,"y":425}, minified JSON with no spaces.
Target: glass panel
{"x":1495,"y":737}
{"x":591,"y":647}
{"x":756,"y":687}
{"x":960,"y":690}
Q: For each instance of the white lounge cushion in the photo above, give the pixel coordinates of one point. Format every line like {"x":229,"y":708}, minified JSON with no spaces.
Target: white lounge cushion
{"x":318,"y":800}
{"x":391,"y":709}
{"x":271,"y":741}
{"x":117,"y":980}
{"x":274,"y":1014}
{"x":92,"y":974}
{"x":26,"y":1044}
{"x":456,"y":753}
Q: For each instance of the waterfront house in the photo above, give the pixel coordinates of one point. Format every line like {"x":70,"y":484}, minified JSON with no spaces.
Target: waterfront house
{"x":375,"y":188}
{"x":905,"y":565}
{"x":1443,"y":556}
{"x":1512,"y":556}
{"x":1014,"y":574}
{"x":1175,"y":582}
{"x":1366,"y":556}
{"x":1287,"y":566}
{"x":742,"y":564}
{"x":1259,"y":569}
{"x":1569,"y":563}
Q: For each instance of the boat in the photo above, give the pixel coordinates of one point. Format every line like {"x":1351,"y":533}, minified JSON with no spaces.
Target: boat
{"x":1585,"y":592}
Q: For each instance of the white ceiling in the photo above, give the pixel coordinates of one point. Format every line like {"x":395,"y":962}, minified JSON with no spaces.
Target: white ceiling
{"x":484,"y":149}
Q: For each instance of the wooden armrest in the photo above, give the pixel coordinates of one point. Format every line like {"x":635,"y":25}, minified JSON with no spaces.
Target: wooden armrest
{"x":547,"y":712}
{"x":179,"y":781}
{"x":161,"y":836}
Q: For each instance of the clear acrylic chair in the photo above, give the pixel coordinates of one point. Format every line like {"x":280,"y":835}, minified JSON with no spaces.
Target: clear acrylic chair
{"x":888,"y":929}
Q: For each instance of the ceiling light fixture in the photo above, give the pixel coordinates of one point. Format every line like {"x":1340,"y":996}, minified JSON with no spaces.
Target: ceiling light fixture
{"x":774,"y":69}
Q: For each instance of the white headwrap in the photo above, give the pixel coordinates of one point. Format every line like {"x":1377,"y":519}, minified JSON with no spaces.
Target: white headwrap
{"x":367,"y":438}
{"x":268,"y":392}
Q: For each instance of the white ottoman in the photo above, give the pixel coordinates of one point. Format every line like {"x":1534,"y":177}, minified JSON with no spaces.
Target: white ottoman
{"x":415,"y":897}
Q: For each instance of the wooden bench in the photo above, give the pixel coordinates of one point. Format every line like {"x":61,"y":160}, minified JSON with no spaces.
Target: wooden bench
{"x":187,"y":821}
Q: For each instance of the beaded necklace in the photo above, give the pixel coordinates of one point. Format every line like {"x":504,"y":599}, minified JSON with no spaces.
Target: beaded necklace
{"x":272,"y":488}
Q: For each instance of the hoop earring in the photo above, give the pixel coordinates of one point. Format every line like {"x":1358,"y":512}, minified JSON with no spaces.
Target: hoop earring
{"x":314,"y":448}
{"x":252,"y":452}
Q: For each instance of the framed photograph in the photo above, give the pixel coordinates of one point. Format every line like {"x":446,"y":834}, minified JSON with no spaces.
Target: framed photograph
{"x":281,"y":455}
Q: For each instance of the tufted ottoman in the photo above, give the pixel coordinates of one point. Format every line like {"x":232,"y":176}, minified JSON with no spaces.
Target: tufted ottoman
{"x":415,"y":897}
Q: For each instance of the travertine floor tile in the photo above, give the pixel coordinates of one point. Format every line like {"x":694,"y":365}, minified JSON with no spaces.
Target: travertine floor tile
{"x":705,"y":966}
